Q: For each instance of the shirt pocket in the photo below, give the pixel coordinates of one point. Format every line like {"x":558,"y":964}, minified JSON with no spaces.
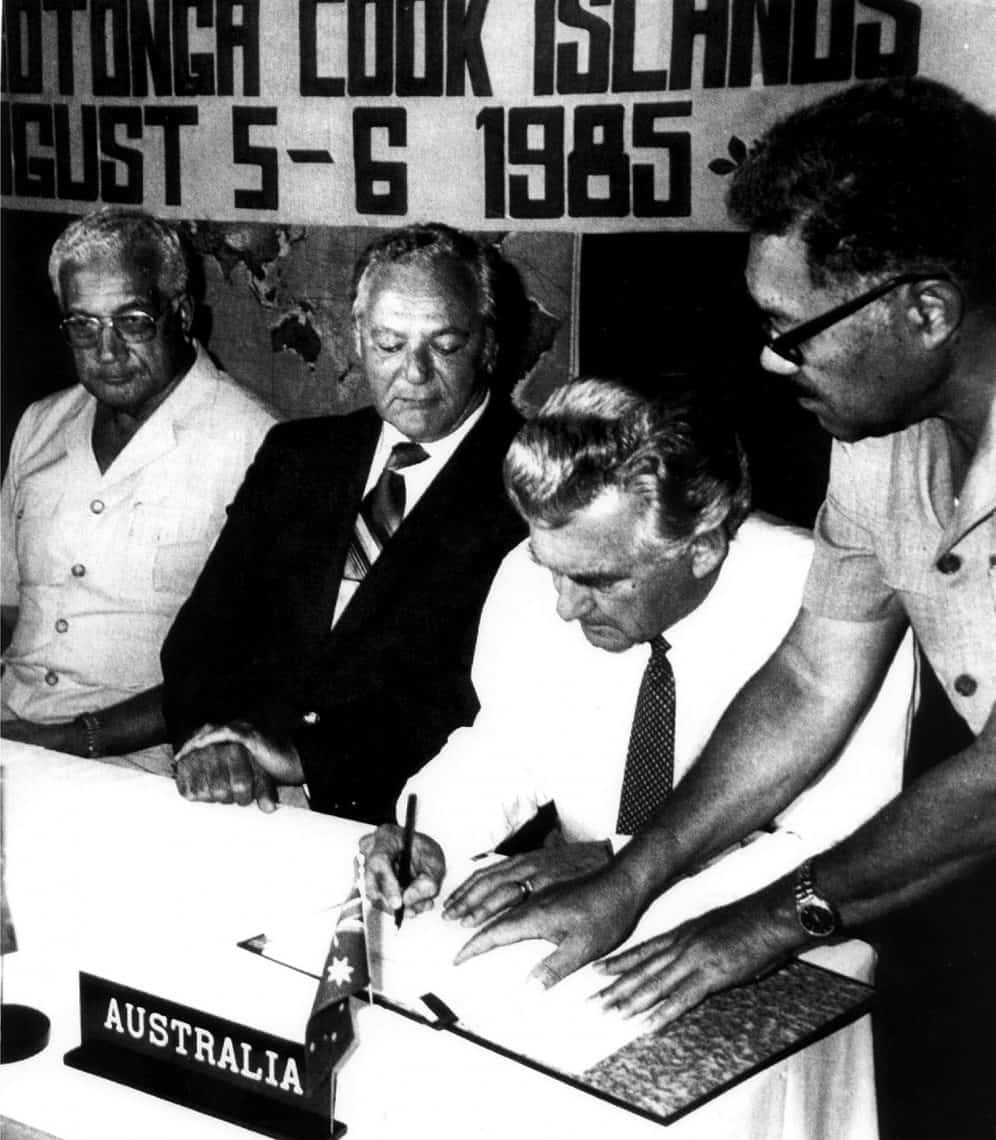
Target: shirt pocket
{"x":174,"y":543}
{"x":177,"y":566}
{"x":907,"y":560}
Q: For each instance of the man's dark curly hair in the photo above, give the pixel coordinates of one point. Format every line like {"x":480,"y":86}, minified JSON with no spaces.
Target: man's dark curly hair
{"x":882,"y":177}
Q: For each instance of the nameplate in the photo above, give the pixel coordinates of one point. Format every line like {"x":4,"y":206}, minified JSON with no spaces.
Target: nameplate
{"x":197,"y":1059}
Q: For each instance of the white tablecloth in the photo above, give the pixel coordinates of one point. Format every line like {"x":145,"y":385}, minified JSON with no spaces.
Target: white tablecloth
{"x":109,"y":870}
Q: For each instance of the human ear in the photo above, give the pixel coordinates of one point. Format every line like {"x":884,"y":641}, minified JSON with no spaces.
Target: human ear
{"x":935,"y":311}
{"x":185,"y":310}
{"x":709,"y":551}
{"x":489,"y":352}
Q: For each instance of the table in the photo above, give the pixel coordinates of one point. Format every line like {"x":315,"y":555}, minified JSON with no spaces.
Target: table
{"x":109,"y":870}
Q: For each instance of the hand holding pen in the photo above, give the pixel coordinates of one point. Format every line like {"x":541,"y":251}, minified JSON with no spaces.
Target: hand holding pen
{"x":400,"y":873}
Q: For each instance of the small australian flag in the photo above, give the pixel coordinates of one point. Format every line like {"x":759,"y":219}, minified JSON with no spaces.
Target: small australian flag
{"x":330,"y":1026}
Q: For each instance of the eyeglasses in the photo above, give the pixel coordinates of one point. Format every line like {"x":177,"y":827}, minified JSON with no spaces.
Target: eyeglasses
{"x":787,"y":345}
{"x":133,"y":327}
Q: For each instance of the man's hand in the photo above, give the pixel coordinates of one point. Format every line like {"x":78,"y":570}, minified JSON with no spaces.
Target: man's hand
{"x":234,"y":763}
{"x":725,"y":947}
{"x":585,"y":918}
{"x":382,"y":850}
{"x":501,"y":885}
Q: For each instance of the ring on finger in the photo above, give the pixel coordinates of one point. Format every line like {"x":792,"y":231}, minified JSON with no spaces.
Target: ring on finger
{"x":526,"y":888}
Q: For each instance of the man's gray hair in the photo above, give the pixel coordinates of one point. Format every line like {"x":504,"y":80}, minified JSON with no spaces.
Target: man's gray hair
{"x":426,"y":245}
{"x":670,"y":447}
{"x":118,"y":232}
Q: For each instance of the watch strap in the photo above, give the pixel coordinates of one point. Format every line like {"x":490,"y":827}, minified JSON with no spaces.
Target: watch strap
{"x":817,"y":916}
{"x":92,"y":734}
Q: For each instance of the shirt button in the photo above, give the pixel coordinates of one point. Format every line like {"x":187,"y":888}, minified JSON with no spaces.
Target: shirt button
{"x":992,"y":561}
{"x":965,"y":685}
{"x":79,"y":570}
{"x":51,"y":678}
{"x":948,"y":563}
{"x":61,"y":625}
{"x":97,"y":506}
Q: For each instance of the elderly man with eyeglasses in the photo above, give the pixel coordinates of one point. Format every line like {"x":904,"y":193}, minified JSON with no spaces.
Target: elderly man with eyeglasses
{"x":115,"y":492}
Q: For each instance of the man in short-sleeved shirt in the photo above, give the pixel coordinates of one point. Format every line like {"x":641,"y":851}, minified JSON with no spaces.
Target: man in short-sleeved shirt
{"x":873,"y":262}
{"x":893,"y":535}
{"x":115,"y":492}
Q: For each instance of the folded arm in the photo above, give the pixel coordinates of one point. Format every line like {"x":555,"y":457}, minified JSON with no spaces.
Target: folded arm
{"x":127,"y":726}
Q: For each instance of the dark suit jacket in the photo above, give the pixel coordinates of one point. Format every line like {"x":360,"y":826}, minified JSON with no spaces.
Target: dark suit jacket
{"x":372,"y":700}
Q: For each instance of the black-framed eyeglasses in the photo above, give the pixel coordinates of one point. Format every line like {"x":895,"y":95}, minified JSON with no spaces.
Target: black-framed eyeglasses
{"x":133,"y":327}
{"x":787,"y":344}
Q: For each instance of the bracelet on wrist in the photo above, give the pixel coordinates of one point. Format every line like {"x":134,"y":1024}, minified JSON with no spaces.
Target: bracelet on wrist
{"x":93,"y":735}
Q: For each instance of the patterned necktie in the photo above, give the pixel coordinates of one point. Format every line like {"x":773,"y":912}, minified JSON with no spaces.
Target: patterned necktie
{"x":650,"y":760}
{"x":381,"y":511}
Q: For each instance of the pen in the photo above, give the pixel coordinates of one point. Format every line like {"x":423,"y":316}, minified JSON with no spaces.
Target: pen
{"x":405,"y":862}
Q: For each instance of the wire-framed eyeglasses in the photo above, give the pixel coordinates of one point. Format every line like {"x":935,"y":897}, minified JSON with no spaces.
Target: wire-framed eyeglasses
{"x":786,"y":345}
{"x":132,"y":326}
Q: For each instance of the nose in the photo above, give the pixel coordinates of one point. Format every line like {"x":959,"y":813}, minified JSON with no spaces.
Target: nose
{"x":418,"y":365}
{"x":573,"y":601}
{"x":109,"y":344}
{"x":772,"y":362}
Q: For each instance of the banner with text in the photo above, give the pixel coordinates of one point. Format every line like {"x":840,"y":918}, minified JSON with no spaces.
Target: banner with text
{"x":505,"y":114}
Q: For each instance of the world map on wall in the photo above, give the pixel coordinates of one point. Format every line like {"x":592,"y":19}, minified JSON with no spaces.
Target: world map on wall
{"x":276,"y":310}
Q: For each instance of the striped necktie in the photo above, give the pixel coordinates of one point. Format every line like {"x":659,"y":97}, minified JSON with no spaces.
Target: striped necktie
{"x":381,"y":511}
{"x":649,"y":773}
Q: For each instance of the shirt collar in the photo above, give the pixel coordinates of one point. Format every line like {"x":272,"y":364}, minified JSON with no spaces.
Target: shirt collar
{"x":978,"y":493}
{"x":439,"y":450}
{"x":157,"y":434}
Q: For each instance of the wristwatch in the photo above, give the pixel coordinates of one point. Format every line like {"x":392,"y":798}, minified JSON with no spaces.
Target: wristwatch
{"x":817,"y":916}
{"x":92,"y":734}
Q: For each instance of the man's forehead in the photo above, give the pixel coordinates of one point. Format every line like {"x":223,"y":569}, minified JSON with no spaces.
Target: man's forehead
{"x":601,"y":538}
{"x":444,"y":281}
{"x":122,"y":274}
{"x":777,"y":271}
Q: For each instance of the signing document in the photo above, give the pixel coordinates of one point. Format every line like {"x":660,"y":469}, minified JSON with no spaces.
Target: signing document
{"x":565,"y":1027}
{"x":490,"y":996}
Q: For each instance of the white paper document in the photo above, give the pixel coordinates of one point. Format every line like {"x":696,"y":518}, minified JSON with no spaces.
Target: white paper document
{"x":564,"y":1028}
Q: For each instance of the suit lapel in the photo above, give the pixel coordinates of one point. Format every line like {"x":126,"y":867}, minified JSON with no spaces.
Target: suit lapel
{"x":336,"y":474}
{"x":438,"y":518}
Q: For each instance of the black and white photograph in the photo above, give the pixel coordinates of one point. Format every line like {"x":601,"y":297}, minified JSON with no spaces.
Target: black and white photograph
{"x":498,"y":569}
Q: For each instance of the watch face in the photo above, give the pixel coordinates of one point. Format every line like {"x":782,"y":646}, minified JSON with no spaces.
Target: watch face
{"x":817,"y":920}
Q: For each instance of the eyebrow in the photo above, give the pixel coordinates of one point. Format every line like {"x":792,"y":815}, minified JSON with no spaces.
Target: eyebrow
{"x":593,"y":577}
{"x":146,"y":307}
{"x":136,"y":301}
{"x":586,"y":579}
{"x":447,"y":330}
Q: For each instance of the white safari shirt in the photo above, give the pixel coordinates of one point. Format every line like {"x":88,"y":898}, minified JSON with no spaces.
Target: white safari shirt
{"x":98,"y":564}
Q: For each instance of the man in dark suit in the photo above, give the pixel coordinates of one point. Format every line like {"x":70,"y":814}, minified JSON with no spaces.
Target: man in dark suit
{"x":329,"y":638}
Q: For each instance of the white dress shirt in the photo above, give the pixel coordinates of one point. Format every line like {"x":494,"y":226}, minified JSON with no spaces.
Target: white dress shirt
{"x":556,"y":712}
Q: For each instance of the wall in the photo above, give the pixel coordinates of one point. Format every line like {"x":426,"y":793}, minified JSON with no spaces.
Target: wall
{"x":274,"y":310}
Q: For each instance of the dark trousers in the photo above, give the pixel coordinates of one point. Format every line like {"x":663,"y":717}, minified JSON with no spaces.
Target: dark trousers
{"x":935,"y":1024}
